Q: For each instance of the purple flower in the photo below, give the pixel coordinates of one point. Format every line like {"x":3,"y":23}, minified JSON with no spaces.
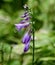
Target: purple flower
{"x":22,"y":21}
{"x":26,"y":47}
{"x":25,"y":14}
{"x":27,"y":18}
{"x":26,"y":38}
{"x":24,"y":24}
{"x":21,"y":25}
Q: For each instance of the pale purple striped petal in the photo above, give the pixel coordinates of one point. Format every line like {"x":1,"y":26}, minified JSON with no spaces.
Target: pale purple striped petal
{"x":23,"y":21}
{"x":20,"y":25}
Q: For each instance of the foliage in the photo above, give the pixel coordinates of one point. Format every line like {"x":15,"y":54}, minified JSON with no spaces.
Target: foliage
{"x":10,"y":40}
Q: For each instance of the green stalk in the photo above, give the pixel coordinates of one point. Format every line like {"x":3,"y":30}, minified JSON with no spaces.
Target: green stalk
{"x":10,"y":54}
{"x":33,"y":33}
{"x":33,"y":47}
{"x":33,"y":41}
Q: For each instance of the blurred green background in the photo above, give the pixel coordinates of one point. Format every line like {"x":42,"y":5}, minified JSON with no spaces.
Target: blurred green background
{"x":11,"y":48}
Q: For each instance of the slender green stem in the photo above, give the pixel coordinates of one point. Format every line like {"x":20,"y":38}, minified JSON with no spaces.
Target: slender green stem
{"x":33,"y":33}
{"x":33,"y":40}
{"x":10,"y":54}
{"x":33,"y":46}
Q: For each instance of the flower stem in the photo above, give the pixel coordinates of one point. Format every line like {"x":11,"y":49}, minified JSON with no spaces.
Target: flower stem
{"x":33,"y":41}
{"x":33,"y":47}
{"x":10,"y":53}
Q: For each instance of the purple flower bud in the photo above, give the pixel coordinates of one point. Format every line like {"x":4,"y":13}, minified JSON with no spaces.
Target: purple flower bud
{"x":27,"y":18}
{"x":25,"y":14}
{"x":26,"y":47}
{"x":23,"y":21}
{"x":26,"y":38}
{"x":21,"y":25}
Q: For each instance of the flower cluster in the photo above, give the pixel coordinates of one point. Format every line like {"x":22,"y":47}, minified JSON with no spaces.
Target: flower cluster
{"x":25,"y":24}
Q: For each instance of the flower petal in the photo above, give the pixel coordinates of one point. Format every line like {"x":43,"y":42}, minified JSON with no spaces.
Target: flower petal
{"x":21,"y":25}
{"x":24,"y":15}
{"x":26,"y":47}
{"x":26,"y":38}
{"x":23,"y":21}
{"x":27,"y":18}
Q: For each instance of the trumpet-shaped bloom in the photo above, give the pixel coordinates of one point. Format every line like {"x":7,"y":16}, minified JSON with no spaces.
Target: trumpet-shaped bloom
{"x":20,"y":25}
{"x":26,"y":47}
{"x":26,"y":38}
